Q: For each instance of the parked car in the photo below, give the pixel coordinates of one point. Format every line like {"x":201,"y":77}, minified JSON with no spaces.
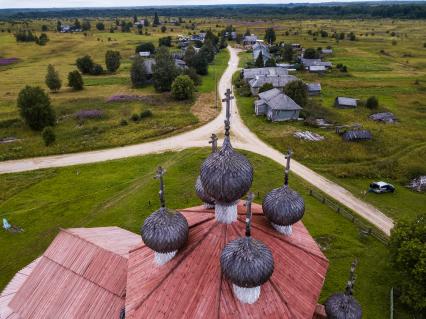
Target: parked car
{"x":381,"y":187}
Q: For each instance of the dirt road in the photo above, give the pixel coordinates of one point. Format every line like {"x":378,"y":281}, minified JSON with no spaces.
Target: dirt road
{"x":243,"y":138}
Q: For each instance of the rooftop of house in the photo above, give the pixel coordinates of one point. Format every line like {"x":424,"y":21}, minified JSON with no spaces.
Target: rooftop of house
{"x":277,"y":100}
{"x":249,"y":74}
{"x":276,"y":81}
{"x":315,"y":62}
{"x":250,"y":38}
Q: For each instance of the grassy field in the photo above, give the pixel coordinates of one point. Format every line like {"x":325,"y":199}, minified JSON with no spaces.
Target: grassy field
{"x":169,"y":116}
{"x":393,"y":72}
{"x":123,"y":193}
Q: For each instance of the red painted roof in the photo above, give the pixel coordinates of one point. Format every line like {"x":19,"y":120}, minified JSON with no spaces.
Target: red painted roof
{"x":81,"y":275}
{"x":191,"y":285}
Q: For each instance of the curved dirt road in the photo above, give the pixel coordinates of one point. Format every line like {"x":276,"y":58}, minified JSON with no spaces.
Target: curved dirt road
{"x":243,"y":138}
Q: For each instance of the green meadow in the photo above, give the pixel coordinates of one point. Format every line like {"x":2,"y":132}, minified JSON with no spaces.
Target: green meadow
{"x":124,"y":192}
{"x":169,"y":116}
{"x":387,"y":60}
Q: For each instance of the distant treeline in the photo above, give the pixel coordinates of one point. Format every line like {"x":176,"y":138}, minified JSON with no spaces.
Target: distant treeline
{"x":411,"y":10}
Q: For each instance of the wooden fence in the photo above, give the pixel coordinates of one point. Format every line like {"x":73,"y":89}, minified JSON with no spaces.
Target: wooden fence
{"x":364,"y":228}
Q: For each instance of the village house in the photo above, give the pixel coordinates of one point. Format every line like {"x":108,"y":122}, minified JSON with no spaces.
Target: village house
{"x":277,"y":82}
{"x":261,"y":47}
{"x":313,"y":88}
{"x":249,"y":40}
{"x":233,"y":35}
{"x":345,"y":102}
{"x":308,"y":63}
{"x":149,"y":63}
{"x":249,"y":74}
{"x":276,"y":106}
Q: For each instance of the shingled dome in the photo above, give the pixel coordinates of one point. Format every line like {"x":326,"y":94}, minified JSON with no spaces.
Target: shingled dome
{"x":226,"y":176}
{"x":199,"y":189}
{"x":342,"y":306}
{"x":283,"y":206}
{"x":247,"y":263}
{"x":165,"y":230}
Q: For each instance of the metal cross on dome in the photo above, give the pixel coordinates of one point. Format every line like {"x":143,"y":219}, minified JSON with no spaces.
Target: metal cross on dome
{"x":160,"y":173}
{"x":227,"y":99}
{"x":287,"y":167}
{"x":213,"y":142}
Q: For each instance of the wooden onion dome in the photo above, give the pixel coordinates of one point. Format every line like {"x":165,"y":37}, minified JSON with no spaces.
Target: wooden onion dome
{"x":165,"y":231}
{"x":283,"y":206}
{"x":247,"y":263}
{"x":344,"y":305}
{"x":226,"y":175}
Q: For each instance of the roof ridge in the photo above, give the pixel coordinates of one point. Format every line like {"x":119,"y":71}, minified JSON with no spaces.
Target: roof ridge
{"x":178,"y":263}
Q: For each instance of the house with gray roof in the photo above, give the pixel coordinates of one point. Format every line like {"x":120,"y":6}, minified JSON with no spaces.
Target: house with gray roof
{"x":345,"y":102}
{"x":259,"y":47}
{"x":276,"y":106}
{"x":249,"y":74}
{"x":313,"y":88}
{"x":249,"y":40}
{"x":278,"y":82}
{"x":307,"y":63}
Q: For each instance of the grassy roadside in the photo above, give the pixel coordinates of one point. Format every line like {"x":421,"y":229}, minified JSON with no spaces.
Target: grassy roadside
{"x":123,"y":193}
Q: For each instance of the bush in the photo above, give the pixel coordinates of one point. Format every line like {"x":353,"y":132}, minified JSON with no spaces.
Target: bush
{"x":146,"y":113}
{"x":75,"y":80}
{"x":297,"y":91}
{"x":53,"y":81}
{"x":145,"y":47}
{"x":266,"y":87}
{"x":48,"y":135}
{"x":100,"y":26}
{"x":372,"y":103}
{"x":123,"y":122}
{"x":138,"y":74}
{"x":192,"y":73}
{"x":35,"y":109}
{"x":135,"y":117}
{"x":183,"y":88}
{"x":163,"y":29}
{"x":165,"y":41}
{"x":97,"y":69}
{"x":85,"y":64}
{"x":112,"y":60}
{"x":311,"y":53}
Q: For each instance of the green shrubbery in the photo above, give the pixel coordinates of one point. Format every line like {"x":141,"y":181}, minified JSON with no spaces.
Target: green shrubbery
{"x":183,"y":88}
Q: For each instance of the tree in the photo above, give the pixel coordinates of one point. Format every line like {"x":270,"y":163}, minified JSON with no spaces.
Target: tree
{"x":44,"y":28}
{"x":189,"y":55}
{"x":86,"y":26}
{"x":112,"y":60}
{"x":53,"y":81}
{"x":248,"y":33}
{"x":192,"y":73}
{"x":352,"y":36}
{"x":259,"y":61}
{"x":372,"y":103}
{"x":210,"y":37}
{"x":58,"y":26}
{"x":208,"y":51}
{"x":223,"y":43}
{"x":163,"y":28}
{"x":77,"y":24}
{"x":164,"y":70}
{"x":183,"y":88}
{"x":100,"y":26}
{"x":200,"y":63}
{"x":266,"y":87}
{"x":297,"y":91}
{"x":408,"y":256}
{"x":75,"y":80}
{"x":156,"y":21}
{"x":271,"y":63}
{"x":145,"y":47}
{"x":84,"y":64}
{"x":135,"y":19}
{"x":270,"y":36}
{"x":287,"y":53}
{"x":311,"y":53}
{"x":42,"y":39}
{"x":35,"y":108}
{"x":138,"y":74}
{"x":48,"y":135}
{"x":97,"y":69}
{"x":165,"y":41}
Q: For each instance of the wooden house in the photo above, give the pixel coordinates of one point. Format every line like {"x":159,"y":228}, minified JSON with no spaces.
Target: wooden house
{"x":276,"y":106}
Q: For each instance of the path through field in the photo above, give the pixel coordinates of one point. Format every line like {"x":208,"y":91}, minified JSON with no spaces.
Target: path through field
{"x":243,"y":138}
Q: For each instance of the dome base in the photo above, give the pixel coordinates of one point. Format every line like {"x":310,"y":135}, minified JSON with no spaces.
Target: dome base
{"x":162,"y":258}
{"x":208,"y":206}
{"x":226,"y":214}
{"x":285,"y":230}
{"x":246,"y":295}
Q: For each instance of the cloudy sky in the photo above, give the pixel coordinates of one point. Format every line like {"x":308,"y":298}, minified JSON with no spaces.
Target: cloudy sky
{"x":115,"y":3}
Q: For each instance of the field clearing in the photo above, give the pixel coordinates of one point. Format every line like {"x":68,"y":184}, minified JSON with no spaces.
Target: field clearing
{"x":169,"y":116}
{"x":393,"y":72}
{"x":123,"y":193}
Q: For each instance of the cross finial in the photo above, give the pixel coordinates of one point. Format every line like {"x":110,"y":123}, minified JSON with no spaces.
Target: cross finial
{"x":249,"y":200}
{"x":160,"y":173}
{"x":213,"y":142}
{"x":287,"y":166}
{"x":351,"y":282}
{"x":227,"y":99}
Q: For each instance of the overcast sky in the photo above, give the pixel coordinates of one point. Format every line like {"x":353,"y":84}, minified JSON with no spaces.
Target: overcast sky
{"x":115,"y":3}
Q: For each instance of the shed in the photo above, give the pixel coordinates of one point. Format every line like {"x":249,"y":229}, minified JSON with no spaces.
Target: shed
{"x":277,"y":106}
{"x":145,"y":54}
{"x":345,"y":102}
{"x":314,"y":88}
{"x":317,"y":69}
{"x":277,"y":82}
{"x":357,"y":135}
{"x":385,"y":117}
